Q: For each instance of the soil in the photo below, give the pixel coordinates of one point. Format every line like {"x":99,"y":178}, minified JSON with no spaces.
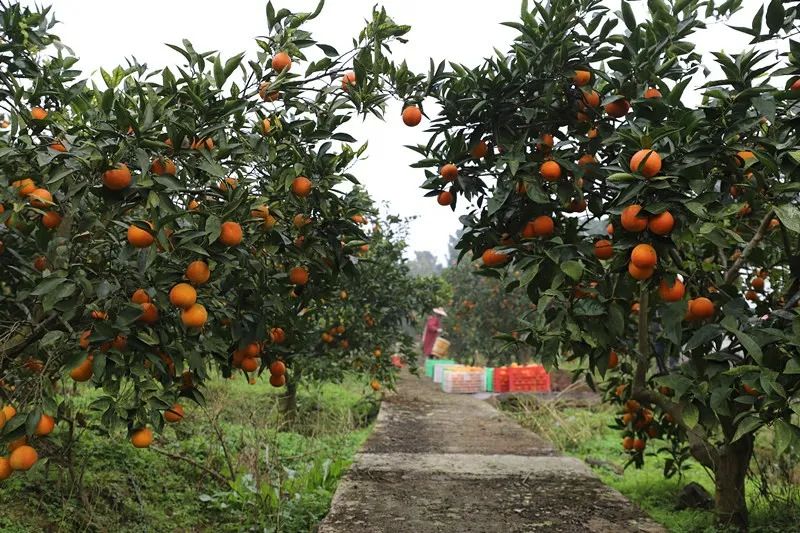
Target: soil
{"x":447,"y":463}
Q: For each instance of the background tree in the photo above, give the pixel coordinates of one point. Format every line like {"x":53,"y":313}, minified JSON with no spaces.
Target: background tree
{"x":686,"y":302}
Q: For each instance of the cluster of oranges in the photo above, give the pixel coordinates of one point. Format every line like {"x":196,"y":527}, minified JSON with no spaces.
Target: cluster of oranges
{"x":22,"y":456}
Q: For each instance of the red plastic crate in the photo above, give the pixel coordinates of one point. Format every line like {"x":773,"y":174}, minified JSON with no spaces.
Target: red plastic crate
{"x":532,"y":378}
{"x":500,"y":379}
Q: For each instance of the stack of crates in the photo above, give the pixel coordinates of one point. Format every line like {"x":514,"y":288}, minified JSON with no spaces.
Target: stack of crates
{"x":463,"y":380}
{"x":438,"y":371}
{"x":488,"y":374}
{"x":431,"y":363}
{"x":532,"y":378}
{"x":500,"y":379}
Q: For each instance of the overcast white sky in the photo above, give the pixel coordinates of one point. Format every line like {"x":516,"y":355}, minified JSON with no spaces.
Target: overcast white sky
{"x":103,"y":33}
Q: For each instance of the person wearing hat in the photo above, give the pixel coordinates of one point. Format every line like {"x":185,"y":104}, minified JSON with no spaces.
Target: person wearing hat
{"x":433,"y":326}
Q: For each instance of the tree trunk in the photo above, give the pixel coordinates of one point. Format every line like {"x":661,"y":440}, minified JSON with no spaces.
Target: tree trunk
{"x":729,"y":474}
{"x":288,"y":400}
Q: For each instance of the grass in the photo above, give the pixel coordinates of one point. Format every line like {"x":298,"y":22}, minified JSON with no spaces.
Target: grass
{"x":584,"y":432}
{"x":284,"y":473}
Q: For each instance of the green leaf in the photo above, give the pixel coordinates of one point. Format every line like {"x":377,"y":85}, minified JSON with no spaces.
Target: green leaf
{"x":775,"y":15}
{"x":789,"y":216}
{"x":627,"y":16}
{"x":785,"y":435}
{"x":213,"y":227}
{"x":748,"y":424}
{"x":703,"y":335}
{"x":690,"y":415}
{"x":573,"y":269}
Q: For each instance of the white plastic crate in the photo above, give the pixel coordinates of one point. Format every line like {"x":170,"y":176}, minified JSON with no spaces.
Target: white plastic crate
{"x":438,"y":372}
{"x":462,"y":381}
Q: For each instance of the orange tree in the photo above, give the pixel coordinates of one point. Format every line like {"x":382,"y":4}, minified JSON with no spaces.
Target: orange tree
{"x":377,"y":313}
{"x":657,"y":238}
{"x":480,"y":310}
{"x":157,"y":227}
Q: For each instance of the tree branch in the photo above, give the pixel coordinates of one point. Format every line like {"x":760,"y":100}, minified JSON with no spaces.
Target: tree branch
{"x":732,"y":272}
{"x":216,"y":475}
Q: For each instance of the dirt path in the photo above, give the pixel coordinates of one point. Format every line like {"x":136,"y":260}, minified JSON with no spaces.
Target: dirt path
{"x":441,"y":462}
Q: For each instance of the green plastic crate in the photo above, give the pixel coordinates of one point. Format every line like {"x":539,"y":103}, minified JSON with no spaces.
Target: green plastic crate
{"x":489,"y":376}
{"x":431,"y":363}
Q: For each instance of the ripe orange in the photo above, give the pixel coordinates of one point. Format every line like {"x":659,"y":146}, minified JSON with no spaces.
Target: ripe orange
{"x":795,"y":86}
{"x":193,"y":205}
{"x":445,"y":198}
{"x":182,"y":295}
{"x":603,"y":249}
{"x":449,"y":172}
{"x":578,"y":205}
{"x":610,"y":229}
{"x":743,"y":157}
{"x":543,"y":226}
{"x":266,"y":94}
{"x":23,"y":458}
{"x":627,"y":443}
{"x":375,"y":384}
{"x":41,"y":198}
{"x":9,"y":412}
{"x":24,"y":187}
{"x":639,"y":274}
{"x":277,"y":336}
{"x":277,"y":380}
{"x":631,"y":221}
{"x":298,"y":275}
{"x":281,"y":61}
{"x":51,"y":220}
{"x":757,"y":283}
{"x":194,"y":316}
{"x":45,"y":425}
{"x":550,"y":171}
{"x":480,"y":150}
{"x":547,"y":142}
{"x":581,"y":78}
{"x":40,"y":263}
{"x":162,"y":166}
{"x":37,"y":113}
{"x":149,"y":313}
{"x":618,"y":108}
{"x":277,"y":367}
{"x":84,"y":371}
{"x":230,"y":234}
{"x":84,"y":339}
{"x":249,"y":364}
{"x":661,"y":224}
{"x":142,"y":437}
{"x":139,"y":238}
{"x":751,"y":295}
{"x":99,"y":315}
{"x":702,"y":308}
{"x":5,"y":469}
{"x":652,"y":93}
{"x":529,"y":231}
{"x":646,"y":162}
{"x":492,"y":258}
{"x":644,"y":256}
{"x":119,"y":343}
{"x":412,"y":116}
{"x":750,"y":390}
{"x":672,"y":293}
{"x":207,"y":143}
{"x":587,"y":159}
{"x":117,"y":178}
{"x":301,"y":186}
{"x":348,"y":79}
{"x":140,"y":296}
{"x":174,"y":413}
{"x":266,"y":126}
{"x":613,"y":359}
{"x":592,"y":133}
{"x":197,"y":272}
{"x":639,"y":445}
{"x":591,"y":98}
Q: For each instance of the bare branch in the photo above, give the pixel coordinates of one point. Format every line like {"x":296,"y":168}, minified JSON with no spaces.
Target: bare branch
{"x":732,"y":272}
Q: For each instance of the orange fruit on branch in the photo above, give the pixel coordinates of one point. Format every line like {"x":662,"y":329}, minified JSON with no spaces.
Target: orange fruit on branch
{"x":140,"y":238}
{"x":298,"y":275}
{"x":661,"y":224}
{"x":631,"y":220}
{"x":301,"y":186}
{"x":182,"y":295}
{"x":174,"y":413}
{"x":644,"y":256}
{"x":449,"y":172}
{"x":23,"y":458}
{"x":197,"y":272}
{"x":230,"y":234}
{"x":603,"y":249}
{"x":281,"y":61}
{"x":117,"y":178}
{"x":194,"y":316}
{"x":550,"y":171}
{"x":142,"y":437}
{"x":581,"y":78}
{"x":618,"y":108}
{"x":639,"y":274}
{"x":412,"y":116}
{"x":671,"y":293}
{"x":646,"y":162}
{"x":445,"y":198}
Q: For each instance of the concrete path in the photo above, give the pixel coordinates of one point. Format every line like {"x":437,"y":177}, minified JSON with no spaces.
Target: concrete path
{"x":449,"y":463}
